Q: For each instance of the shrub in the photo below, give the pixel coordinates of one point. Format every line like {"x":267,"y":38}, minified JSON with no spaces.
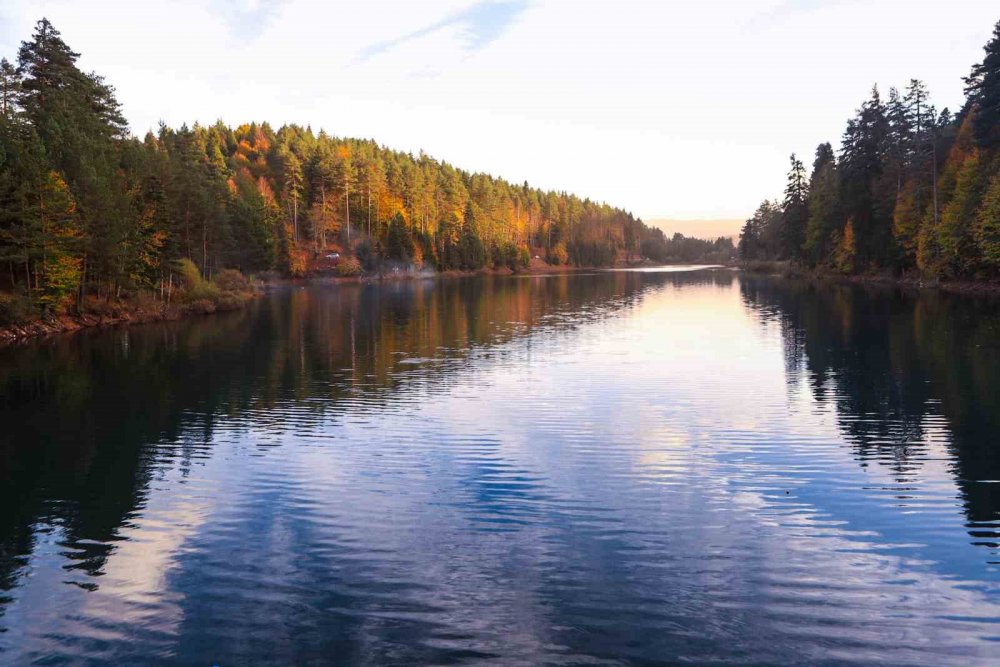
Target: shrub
{"x":558,"y":254}
{"x":349,"y":266}
{"x":200,"y":306}
{"x":231,"y":280}
{"x":196,"y":288}
{"x":365,"y":253}
{"x":16,"y":309}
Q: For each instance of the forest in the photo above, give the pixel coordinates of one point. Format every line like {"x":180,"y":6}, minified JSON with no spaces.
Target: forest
{"x":88,"y":211}
{"x":913,"y":191}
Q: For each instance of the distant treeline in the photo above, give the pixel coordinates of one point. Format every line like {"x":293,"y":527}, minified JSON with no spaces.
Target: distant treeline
{"x":913,"y":190}
{"x":87,"y":209}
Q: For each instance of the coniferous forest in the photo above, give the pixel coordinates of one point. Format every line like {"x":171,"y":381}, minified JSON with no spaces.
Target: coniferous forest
{"x":89,"y":211}
{"x":913,"y":191}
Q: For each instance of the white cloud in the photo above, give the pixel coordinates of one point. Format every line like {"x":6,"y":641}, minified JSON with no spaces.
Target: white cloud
{"x":669,"y":109}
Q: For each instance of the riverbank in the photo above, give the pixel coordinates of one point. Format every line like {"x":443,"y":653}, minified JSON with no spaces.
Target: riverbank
{"x":112,"y":312}
{"x":109,"y":312}
{"x":785,"y":269}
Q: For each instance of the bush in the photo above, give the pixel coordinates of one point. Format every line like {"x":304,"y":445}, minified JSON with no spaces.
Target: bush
{"x":16,"y":309}
{"x":200,"y":306}
{"x":349,"y":266}
{"x":365,"y":253}
{"x":558,"y":254}
{"x":196,"y":288}
{"x":231,"y":280}
{"x":506,"y":255}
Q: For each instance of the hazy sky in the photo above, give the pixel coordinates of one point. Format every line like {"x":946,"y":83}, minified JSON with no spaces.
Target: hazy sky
{"x":669,"y":109}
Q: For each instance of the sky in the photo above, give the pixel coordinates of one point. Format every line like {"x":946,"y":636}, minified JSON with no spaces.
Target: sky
{"x":668,"y":109}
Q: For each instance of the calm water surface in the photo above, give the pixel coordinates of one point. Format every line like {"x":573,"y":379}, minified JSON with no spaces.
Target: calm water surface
{"x":618,"y":468}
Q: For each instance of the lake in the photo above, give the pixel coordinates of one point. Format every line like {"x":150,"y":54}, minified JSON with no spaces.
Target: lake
{"x":605,"y":468}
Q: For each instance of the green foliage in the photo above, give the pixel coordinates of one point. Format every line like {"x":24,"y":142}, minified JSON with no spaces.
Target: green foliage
{"x":825,"y":216}
{"x":795,"y":210}
{"x":761,"y":236}
{"x":196,"y":288}
{"x":591,"y":253}
{"x":16,"y":309}
{"x":987,"y":228}
{"x":88,"y":211}
{"x":523,"y":258}
{"x":399,"y":241}
{"x":366,"y":255}
{"x":472,"y":251}
{"x":954,"y":233}
{"x":983,"y":90}
{"x":917,"y":187}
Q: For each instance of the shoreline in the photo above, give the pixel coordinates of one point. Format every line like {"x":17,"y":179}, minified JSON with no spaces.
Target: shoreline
{"x":124,"y":313}
{"x":119,"y":313}
{"x":908,"y":282}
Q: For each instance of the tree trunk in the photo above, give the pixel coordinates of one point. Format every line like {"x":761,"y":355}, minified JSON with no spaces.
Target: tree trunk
{"x":322,"y":192}
{"x":83,"y":281}
{"x":934,"y":181}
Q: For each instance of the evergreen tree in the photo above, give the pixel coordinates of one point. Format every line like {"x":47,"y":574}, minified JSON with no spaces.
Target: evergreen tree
{"x":795,"y":212}
{"x":983,"y":91}
{"x":292,"y":186}
{"x":862,"y":165}
{"x":472,"y":249}
{"x":987,"y":226}
{"x":10,"y":88}
{"x":399,"y":244}
{"x":825,"y":216}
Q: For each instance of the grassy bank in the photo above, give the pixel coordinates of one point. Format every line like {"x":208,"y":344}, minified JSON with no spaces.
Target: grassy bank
{"x":23,"y":317}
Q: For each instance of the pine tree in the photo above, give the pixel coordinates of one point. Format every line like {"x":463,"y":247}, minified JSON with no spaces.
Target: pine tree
{"x":292,"y":187}
{"x":824,"y":205}
{"x":345,"y":173}
{"x":983,"y":91}
{"x":10,"y":88}
{"x":473,"y":250}
{"x":399,"y":242}
{"x":79,"y":122}
{"x":943,"y":238}
{"x":867,"y":198}
{"x":795,"y":212}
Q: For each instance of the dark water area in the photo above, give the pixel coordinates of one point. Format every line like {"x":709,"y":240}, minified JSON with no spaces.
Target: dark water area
{"x":617,"y":468}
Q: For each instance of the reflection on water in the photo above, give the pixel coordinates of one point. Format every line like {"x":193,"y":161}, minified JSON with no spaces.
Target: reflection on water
{"x":607,"y":468}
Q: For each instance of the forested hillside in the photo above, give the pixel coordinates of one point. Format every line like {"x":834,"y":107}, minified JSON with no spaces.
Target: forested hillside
{"x":913,"y":190}
{"x":87,"y":209}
